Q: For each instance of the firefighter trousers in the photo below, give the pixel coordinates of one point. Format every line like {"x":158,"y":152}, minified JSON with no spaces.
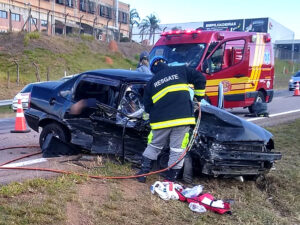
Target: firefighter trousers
{"x":176,"y":137}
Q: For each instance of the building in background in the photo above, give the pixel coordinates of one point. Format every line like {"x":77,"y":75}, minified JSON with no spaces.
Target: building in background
{"x":287,"y":50}
{"x":105,"y":19}
{"x":267,"y":25}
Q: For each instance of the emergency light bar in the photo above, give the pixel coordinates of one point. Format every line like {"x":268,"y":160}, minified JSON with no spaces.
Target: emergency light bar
{"x":176,"y":32}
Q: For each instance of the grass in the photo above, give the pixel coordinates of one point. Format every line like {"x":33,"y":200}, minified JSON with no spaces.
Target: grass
{"x":79,"y":56}
{"x":37,"y":201}
{"x":30,"y":36}
{"x":283,"y":73}
{"x":6,"y":111}
{"x":273,"y":199}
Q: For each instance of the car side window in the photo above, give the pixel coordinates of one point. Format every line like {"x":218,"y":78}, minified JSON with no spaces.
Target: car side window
{"x":66,"y":88}
{"x":226,"y":55}
{"x":91,"y":91}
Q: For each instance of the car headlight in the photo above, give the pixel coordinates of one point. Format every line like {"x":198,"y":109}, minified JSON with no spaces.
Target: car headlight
{"x":291,"y":80}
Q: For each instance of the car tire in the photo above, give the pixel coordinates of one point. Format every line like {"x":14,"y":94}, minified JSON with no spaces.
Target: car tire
{"x":259,"y":98}
{"x":55,"y":129}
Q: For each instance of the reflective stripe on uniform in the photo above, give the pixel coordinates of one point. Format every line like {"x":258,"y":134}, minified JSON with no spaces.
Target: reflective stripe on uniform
{"x":171,"y":88}
{"x":173,"y":123}
{"x":150,"y":137}
{"x":160,"y":148}
{"x":185,"y":140}
{"x":199,"y":92}
{"x":176,"y":149}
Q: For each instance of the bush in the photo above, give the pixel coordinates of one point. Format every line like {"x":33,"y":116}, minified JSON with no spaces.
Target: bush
{"x":31,"y":35}
{"x":87,"y":37}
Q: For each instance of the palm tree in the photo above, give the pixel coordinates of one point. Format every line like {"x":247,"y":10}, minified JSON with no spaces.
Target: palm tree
{"x":153,"y":21}
{"x":144,"y":26}
{"x":133,"y":20}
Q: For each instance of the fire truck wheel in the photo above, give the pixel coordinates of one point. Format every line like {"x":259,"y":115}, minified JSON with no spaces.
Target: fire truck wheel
{"x":259,"y":98}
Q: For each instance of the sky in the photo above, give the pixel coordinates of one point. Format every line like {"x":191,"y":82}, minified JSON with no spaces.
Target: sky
{"x":285,"y":12}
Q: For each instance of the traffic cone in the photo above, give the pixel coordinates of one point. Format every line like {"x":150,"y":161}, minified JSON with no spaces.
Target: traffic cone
{"x":296,"y":90}
{"x":20,"y":125}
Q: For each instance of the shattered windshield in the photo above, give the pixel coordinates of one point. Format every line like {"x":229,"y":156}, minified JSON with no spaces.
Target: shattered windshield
{"x":180,"y":54}
{"x":131,"y":104}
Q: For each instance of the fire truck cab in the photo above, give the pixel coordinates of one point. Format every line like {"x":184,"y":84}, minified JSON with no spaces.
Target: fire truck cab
{"x":242,"y":61}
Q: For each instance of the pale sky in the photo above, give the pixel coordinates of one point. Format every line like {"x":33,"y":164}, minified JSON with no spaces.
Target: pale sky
{"x":285,"y":12}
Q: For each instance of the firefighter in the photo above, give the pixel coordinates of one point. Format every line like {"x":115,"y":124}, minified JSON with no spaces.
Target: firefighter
{"x":167,"y":100}
{"x":143,"y":65}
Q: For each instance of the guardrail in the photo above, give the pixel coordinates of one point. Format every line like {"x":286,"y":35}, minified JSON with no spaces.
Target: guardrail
{"x":6,"y":102}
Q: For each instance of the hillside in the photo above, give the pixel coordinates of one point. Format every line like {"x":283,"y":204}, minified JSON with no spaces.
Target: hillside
{"x":55,"y":55}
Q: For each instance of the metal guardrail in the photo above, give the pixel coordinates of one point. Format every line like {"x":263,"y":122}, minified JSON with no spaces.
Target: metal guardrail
{"x":6,"y":102}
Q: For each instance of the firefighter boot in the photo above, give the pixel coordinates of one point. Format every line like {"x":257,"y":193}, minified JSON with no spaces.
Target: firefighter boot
{"x":145,"y":168}
{"x":172,"y":174}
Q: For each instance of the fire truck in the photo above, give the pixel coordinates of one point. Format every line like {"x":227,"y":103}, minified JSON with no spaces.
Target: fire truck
{"x":242,"y":61}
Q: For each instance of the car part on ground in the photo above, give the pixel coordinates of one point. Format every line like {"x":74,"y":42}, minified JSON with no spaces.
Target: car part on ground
{"x":226,"y":145}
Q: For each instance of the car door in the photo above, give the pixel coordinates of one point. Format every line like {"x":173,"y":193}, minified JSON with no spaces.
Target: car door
{"x":228,"y":64}
{"x":122,"y":129}
{"x":88,"y":92}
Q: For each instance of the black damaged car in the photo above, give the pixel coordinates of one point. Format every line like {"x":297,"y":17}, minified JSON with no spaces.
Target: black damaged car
{"x":102,"y":111}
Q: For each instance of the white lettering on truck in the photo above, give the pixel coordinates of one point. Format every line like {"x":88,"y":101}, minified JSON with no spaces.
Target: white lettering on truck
{"x":166,"y":79}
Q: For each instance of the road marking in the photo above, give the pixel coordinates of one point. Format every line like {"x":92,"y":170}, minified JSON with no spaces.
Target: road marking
{"x":274,"y":115}
{"x":26,"y":163}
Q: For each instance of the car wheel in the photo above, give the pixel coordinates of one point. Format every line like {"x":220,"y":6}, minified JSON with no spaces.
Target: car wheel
{"x":55,"y":129}
{"x":259,"y":98}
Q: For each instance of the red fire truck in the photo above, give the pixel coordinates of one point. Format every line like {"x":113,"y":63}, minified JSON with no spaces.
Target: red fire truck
{"x":242,"y":61}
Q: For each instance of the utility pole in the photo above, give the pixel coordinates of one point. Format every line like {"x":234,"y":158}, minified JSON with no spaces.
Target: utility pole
{"x":94,"y":22}
{"x":10,"y":22}
{"x":80,"y":24}
{"x":117,"y":13}
{"x":39,"y":27}
{"x":65,"y":28}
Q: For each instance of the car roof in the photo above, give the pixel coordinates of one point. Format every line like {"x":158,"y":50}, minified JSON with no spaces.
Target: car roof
{"x":121,"y":74}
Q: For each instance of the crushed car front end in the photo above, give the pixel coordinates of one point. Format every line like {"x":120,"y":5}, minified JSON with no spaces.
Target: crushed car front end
{"x":230,"y":146}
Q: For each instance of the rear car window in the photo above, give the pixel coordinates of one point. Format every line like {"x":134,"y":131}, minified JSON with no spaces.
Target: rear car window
{"x":297,"y":74}
{"x":27,"y":88}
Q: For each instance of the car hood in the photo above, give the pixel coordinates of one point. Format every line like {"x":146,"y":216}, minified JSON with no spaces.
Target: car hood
{"x":226,"y":127}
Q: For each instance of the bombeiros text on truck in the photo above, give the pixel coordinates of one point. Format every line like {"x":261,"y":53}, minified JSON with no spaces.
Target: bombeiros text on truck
{"x":242,"y":61}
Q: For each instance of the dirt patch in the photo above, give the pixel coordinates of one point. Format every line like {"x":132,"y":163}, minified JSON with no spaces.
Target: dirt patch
{"x":108,"y":60}
{"x":89,"y":196}
{"x":130,"y":50}
{"x":12,"y":43}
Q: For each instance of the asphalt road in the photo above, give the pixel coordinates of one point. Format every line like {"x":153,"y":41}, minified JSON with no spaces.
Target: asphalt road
{"x":284,"y":107}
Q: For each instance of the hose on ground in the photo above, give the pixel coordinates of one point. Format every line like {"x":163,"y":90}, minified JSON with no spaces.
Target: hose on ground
{"x":189,"y":146}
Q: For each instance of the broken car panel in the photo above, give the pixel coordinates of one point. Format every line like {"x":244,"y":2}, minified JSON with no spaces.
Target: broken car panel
{"x":109,"y":118}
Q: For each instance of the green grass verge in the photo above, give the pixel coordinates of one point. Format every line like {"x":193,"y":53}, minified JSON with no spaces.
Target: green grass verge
{"x":283,"y":73}
{"x":79,"y":59}
{"x":37,"y":201}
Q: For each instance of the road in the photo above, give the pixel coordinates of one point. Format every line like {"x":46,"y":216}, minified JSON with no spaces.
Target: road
{"x":283,"y":108}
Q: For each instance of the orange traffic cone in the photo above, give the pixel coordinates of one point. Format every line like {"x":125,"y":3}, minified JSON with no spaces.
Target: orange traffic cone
{"x":296,"y":91}
{"x":20,"y":125}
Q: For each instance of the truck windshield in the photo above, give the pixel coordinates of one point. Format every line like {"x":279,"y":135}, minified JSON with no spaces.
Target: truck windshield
{"x":180,"y":54}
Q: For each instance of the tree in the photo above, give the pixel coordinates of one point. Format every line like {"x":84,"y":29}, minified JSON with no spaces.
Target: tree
{"x":153,"y":22}
{"x":144,"y":26}
{"x":134,"y":19}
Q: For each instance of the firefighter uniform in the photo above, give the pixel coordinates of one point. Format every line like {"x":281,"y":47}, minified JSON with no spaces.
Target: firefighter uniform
{"x":167,"y":100}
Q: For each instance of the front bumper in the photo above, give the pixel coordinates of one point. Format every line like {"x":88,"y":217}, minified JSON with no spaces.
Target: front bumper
{"x":236,"y":159}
